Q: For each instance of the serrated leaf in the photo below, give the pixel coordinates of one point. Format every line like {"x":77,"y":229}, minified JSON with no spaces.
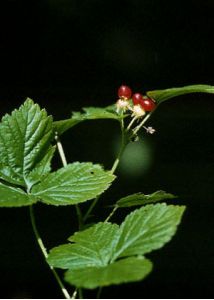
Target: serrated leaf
{"x":92,"y":247}
{"x":166,"y":94}
{"x":142,"y":199}
{"x":122,"y":271}
{"x":90,"y":113}
{"x":25,"y":137}
{"x":14,"y":197}
{"x":92,"y":258}
{"x":41,"y":169}
{"x":147,"y":229}
{"x":75,"y":183}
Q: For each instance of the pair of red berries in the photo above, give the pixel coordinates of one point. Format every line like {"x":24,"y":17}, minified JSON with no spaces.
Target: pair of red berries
{"x":145,"y":102}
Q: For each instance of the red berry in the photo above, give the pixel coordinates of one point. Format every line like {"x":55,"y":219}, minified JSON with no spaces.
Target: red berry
{"x":137,"y":98}
{"x":124,"y":91}
{"x":147,"y":104}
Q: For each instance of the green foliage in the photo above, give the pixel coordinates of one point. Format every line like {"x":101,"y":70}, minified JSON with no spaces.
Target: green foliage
{"x":95,"y":251}
{"x":147,"y":229}
{"x":122,"y":271}
{"x":104,"y":253}
{"x":75,"y":183}
{"x":26,"y":153}
{"x":92,"y":248}
{"x":163,"y":95}
{"x":142,"y":199}
{"x":14,"y":197}
{"x":109,"y":112}
{"x":90,"y":113}
{"x":25,"y":137}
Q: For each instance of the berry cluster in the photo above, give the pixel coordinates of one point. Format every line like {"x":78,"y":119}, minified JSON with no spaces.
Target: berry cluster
{"x":138,"y":105}
{"x":146,"y":103}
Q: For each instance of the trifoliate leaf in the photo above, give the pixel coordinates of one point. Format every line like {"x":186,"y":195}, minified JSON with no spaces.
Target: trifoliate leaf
{"x":92,"y":257}
{"x":92,"y":248}
{"x":25,"y":137}
{"x":163,"y":95}
{"x":142,"y":199}
{"x":90,"y":113}
{"x":147,"y":229}
{"x":75,"y":183}
{"x":122,"y":271}
{"x":14,"y":197}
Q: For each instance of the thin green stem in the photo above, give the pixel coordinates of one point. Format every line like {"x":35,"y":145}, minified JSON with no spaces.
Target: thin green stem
{"x":113,"y":169}
{"x":45,"y":254}
{"x":79,"y":216}
{"x":99,"y":292}
{"x":111,"y":213}
{"x":91,"y":207}
{"x":74,"y":295}
{"x":60,"y":150}
{"x":80,"y":293}
{"x":122,"y":148}
{"x":64,"y":163}
{"x":141,"y":124}
{"x":132,"y":122}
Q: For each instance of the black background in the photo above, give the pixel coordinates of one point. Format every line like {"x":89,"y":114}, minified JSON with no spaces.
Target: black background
{"x":67,"y":54}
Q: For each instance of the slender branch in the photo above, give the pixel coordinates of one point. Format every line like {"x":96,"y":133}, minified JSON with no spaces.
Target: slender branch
{"x":45,"y":254}
{"x":113,"y":169}
{"x":80,"y":293}
{"x":91,"y":207}
{"x":132,"y":122}
{"x":61,"y":151}
{"x":111,"y":214}
{"x":99,"y":292}
{"x":141,"y":124}
{"x":64,"y":163}
{"x":74,"y":295}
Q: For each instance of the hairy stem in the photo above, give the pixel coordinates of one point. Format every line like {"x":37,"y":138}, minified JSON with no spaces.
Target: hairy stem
{"x":45,"y":254}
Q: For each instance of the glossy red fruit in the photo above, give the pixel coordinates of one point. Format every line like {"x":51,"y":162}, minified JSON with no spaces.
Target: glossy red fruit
{"x":137,"y":98}
{"x":124,"y":91}
{"x":147,"y":104}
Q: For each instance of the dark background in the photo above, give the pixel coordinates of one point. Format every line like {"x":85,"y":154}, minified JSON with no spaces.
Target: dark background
{"x":66,"y":54}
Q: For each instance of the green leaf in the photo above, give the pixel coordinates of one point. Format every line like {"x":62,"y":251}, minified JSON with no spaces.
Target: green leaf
{"x":63,"y":125}
{"x":25,"y":137}
{"x":141,"y":199}
{"x":14,"y":197}
{"x":92,"y":248}
{"x":163,"y":95}
{"x":122,"y":271}
{"x":75,"y":183}
{"x":41,"y":169}
{"x":147,"y":229}
{"x":92,"y":257}
{"x":90,"y":113}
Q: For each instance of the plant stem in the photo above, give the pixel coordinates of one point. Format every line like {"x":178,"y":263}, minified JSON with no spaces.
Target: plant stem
{"x":74,"y":294}
{"x":80,"y":293}
{"x":132,"y":122}
{"x":141,"y":124}
{"x":111,"y":214}
{"x":91,"y":207}
{"x":60,"y":150}
{"x":113,"y":169}
{"x":64,"y":163}
{"x":45,"y":254}
{"x":99,"y":292}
